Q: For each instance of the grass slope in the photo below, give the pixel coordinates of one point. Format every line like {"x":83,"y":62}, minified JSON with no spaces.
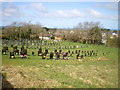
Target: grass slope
{"x":34,"y":72}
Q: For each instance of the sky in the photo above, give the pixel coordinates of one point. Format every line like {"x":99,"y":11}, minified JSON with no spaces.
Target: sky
{"x":60,"y":14}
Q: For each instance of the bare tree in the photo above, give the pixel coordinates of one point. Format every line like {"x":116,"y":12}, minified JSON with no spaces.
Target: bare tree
{"x":87,"y":25}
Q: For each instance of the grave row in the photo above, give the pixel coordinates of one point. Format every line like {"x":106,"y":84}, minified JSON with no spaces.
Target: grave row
{"x":57,"y":54}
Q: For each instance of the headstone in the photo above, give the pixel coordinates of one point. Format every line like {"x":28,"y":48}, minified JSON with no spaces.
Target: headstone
{"x":14,"y":47}
{"x":51,"y":55}
{"x":33,"y":53}
{"x":55,"y":51}
{"x":68,"y":51}
{"x":16,"y":51}
{"x":72,"y":52}
{"x":12,"y":55}
{"x":76,"y":51}
{"x":81,"y":56}
{"x":4,"y":51}
{"x":44,"y":55}
{"x":60,"y":51}
{"x":11,"y":45}
{"x":23,"y":53}
{"x":22,"y":48}
{"x":57,"y":55}
{"x":46,"y":51}
{"x":78,"y":56}
{"x":65,"y":56}
{"x":6,"y":48}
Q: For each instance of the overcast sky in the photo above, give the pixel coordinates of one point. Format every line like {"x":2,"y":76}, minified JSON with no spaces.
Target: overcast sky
{"x":61,"y":14}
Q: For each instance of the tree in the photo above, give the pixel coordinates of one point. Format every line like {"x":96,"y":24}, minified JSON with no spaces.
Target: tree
{"x":87,"y":25}
{"x":22,"y":30}
{"x":74,"y":36}
{"x":94,"y":35}
{"x":113,"y":42}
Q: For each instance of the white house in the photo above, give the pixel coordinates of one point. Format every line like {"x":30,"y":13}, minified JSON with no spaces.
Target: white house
{"x":104,"y":40}
{"x":45,"y":38}
{"x":114,"y":34}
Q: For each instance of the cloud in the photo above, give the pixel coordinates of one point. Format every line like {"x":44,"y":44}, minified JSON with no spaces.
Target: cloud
{"x":72,"y":13}
{"x":113,"y":17}
{"x":110,"y":5}
{"x":95,"y":13}
{"x":38,"y":7}
{"x":10,"y":10}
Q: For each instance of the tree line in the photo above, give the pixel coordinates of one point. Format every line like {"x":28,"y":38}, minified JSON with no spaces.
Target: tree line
{"x":86,"y":32}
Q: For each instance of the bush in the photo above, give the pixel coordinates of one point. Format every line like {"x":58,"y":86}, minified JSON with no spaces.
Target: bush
{"x":52,"y":37}
{"x":84,"y":41}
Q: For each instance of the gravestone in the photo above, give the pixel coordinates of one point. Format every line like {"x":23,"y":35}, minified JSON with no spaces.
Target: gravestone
{"x":23,"y":53}
{"x":68,"y":51}
{"x":12,"y":55}
{"x":33,"y":53}
{"x":81,"y":56}
{"x":44,"y":55}
{"x":22,"y":48}
{"x":6,"y":48}
{"x":16,"y":51}
{"x":51,"y":55}
{"x":46,"y":50}
{"x":78,"y":56}
{"x":60,"y":51}
{"x":4,"y":51}
{"x":57,"y":55}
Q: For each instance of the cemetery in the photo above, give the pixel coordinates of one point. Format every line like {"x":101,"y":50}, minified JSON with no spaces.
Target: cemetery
{"x":64,"y":64}
{"x":51,"y":50}
{"x":47,"y":45}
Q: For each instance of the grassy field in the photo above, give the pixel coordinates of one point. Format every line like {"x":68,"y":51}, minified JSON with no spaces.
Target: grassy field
{"x":94,"y":72}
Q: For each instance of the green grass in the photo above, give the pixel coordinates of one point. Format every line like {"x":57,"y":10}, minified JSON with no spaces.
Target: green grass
{"x":34,"y":72}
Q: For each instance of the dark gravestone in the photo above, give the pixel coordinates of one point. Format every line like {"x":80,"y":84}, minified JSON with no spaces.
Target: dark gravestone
{"x":16,"y":51}
{"x":65,"y":55}
{"x":57,"y":55}
{"x":81,"y":56}
{"x":12,"y":55}
{"x":39,"y":53}
{"x":22,"y":48}
{"x":12,"y":45}
{"x":90,"y":54}
{"x":25,"y":50}
{"x":46,"y":51}
{"x":15,"y":47}
{"x":60,"y":51}
{"x":82,"y":51}
{"x":72,"y":52}
{"x":40,"y":50}
{"x":44,"y":55}
{"x":59,"y":47}
{"x":78,"y":56}
{"x":96,"y":54}
{"x":68,"y":51}
{"x":55,"y":51}
{"x":33,"y":53}
{"x":24,"y":53}
{"x":6,"y":48}
{"x":92,"y":51}
{"x":76,"y":51}
{"x":4,"y":51}
{"x":51,"y":55}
